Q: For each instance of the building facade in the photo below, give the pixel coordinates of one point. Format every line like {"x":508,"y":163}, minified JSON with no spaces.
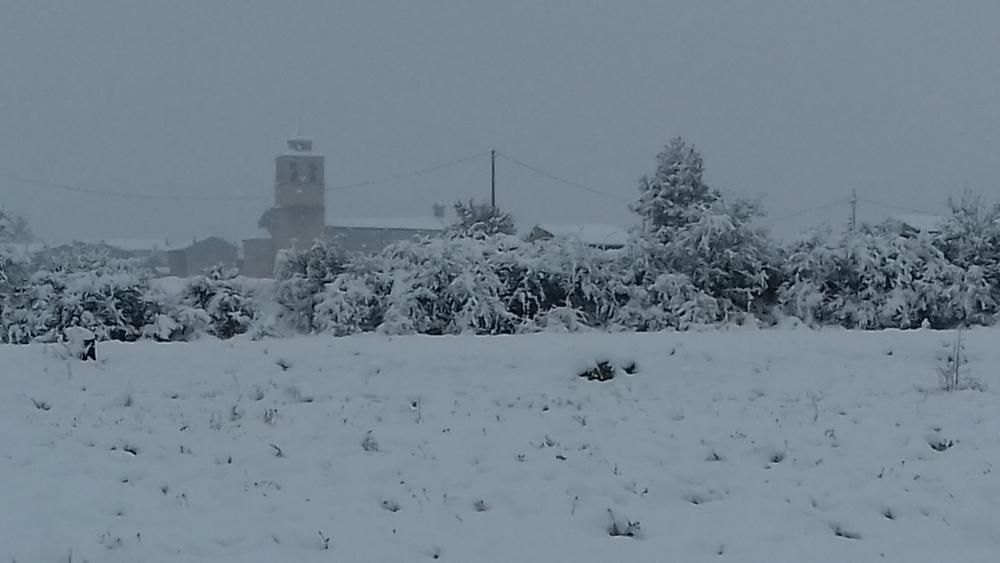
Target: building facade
{"x":369,"y":236}
{"x":202,"y":255}
{"x":298,"y":217}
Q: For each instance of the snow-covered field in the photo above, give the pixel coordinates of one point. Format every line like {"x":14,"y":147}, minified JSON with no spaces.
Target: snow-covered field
{"x":756,"y":446}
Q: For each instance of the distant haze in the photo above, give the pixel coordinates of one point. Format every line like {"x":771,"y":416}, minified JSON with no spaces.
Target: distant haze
{"x":796,"y":102}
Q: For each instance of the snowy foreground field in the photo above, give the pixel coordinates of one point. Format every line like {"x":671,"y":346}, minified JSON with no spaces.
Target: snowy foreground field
{"x":756,"y":446}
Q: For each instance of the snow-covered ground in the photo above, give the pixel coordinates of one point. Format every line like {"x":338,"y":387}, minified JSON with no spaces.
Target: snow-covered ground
{"x":756,"y":446}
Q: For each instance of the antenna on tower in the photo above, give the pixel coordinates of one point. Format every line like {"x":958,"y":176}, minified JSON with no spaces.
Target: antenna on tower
{"x":298,"y":128}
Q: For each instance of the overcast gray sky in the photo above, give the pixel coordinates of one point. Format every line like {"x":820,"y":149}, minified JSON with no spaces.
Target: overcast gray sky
{"x":799,"y":102}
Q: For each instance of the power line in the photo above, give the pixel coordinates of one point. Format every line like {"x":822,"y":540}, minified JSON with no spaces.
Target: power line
{"x":899,"y":207}
{"x":405,"y":175}
{"x":553,"y":177}
{"x":127,"y":195}
{"x":835,"y":203}
{"x":226,"y":197}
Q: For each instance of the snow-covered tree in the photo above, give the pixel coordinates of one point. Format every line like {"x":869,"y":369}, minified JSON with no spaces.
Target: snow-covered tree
{"x":14,"y":228}
{"x":970,"y":237}
{"x":689,"y":229}
{"x":676,"y":195}
{"x":479,"y":220}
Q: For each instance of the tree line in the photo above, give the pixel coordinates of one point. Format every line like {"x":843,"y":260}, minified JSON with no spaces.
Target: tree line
{"x":695,"y":258}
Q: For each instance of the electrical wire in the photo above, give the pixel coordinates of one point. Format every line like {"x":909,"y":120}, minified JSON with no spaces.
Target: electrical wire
{"x":900,"y":207}
{"x":555,"y":178}
{"x":835,"y":203}
{"x":127,"y":195}
{"x":228,"y":197}
{"x":411,"y":174}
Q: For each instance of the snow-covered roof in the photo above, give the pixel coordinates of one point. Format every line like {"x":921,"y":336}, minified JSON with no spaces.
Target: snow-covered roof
{"x":398,"y":223}
{"x":22,"y":248}
{"x":125,"y":245}
{"x":143,"y":245}
{"x":921,"y":222}
{"x":591,"y":234}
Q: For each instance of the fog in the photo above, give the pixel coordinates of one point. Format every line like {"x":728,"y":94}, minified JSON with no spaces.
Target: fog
{"x":175,"y":110}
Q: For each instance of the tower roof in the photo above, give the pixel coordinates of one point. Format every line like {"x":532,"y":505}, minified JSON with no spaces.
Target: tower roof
{"x":300,"y":145}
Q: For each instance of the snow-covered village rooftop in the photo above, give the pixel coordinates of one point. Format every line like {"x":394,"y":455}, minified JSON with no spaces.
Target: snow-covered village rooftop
{"x":592,"y":234}
{"x":419,"y":223}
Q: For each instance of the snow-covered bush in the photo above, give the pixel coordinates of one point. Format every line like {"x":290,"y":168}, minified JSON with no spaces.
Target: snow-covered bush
{"x":112,"y":303}
{"x":301,"y":276}
{"x":671,"y":301}
{"x":970,"y":238}
{"x":352,"y":303}
{"x":443,"y":286}
{"x":558,"y":274}
{"x":876,"y":280}
{"x":218,"y":303}
{"x":498,"y":285}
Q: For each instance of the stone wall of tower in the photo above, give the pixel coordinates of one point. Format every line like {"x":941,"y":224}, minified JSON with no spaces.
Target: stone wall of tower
{"x":299,"y":198}
{"x":298,"y":181}
{"x":297,"y":226}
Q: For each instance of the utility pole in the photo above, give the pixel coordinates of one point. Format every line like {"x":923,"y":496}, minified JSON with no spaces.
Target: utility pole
{"x":854,"y":210}
{"x":493,"y":179}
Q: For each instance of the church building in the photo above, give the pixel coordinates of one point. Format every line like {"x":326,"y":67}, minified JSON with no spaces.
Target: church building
{"x":299,"y":213}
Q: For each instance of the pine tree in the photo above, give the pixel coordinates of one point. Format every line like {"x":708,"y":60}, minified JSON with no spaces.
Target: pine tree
{"x":690,"y":230}
{"x":480,"y":220}
{"x":970,"y":237}
{"x":14,"y":229}
{"x":676,"y":195}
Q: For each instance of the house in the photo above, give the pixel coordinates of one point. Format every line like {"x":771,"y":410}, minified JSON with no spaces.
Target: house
{"x":606,"y":237}
{"x":373,"y":235}
{"x":145,"y":253}
{"x":258,"y":257}
{"x":202,"y":255}
{"x":911,"y":224}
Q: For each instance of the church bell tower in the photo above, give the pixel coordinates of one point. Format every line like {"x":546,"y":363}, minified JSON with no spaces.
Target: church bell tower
{"x":299,"y":213}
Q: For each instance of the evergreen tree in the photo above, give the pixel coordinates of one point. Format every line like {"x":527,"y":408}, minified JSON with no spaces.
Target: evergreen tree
{"x":675,"y":196}
{"x":970,"y":237}
{"x":14,"y":229}
{"x":690,"y":230}
{"x":480,"y":220}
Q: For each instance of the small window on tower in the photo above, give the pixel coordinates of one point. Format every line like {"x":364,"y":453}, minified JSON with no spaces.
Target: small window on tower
{"x":293,"y":172}
{"x":313,"y":172}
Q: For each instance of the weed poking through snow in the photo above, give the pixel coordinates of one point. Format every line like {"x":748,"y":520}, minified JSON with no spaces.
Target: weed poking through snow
{"x":623,"y":529}
{"x":603,"y":371}
{"x":953,"y":367}
{"x":369,"y":443}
